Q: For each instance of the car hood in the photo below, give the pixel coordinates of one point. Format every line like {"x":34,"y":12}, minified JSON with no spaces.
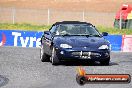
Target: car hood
{"x":81,"y":41}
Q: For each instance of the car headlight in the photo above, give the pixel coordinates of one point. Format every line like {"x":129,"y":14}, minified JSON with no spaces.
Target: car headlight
{"x":104,"y":47}
{"x":65,"y":46}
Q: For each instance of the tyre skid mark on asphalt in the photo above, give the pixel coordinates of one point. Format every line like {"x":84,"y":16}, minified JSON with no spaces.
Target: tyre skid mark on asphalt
{"x":3,"y":80}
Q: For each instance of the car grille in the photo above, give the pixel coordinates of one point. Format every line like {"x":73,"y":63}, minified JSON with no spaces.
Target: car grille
{"x":81,"y":53}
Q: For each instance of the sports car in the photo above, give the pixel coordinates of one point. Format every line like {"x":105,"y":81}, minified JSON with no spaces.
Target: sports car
{"x":74,"y":40}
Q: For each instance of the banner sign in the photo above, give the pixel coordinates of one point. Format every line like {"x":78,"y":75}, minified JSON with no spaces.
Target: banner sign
{"x":32,"y":39}
{"x":20,"y":38}
{"x":127,"y":43}
{"x":115,"y":41}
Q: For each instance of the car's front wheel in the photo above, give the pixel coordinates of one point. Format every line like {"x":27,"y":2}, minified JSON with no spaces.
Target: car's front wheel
{"x":105,"y":62}
{"x":54,"y":57}
{"x":43,"y":56}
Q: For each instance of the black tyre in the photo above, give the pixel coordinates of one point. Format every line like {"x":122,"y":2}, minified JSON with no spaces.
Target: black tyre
{"x":54,"y":58}
{"x":43,"y":56}
{"x":105,"y":62}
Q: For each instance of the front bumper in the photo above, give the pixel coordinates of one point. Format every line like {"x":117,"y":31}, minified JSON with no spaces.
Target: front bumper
{"x":69,"y":54}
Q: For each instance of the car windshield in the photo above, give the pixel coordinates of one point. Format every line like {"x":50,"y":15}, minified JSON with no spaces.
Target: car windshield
{"x":77,"y":29}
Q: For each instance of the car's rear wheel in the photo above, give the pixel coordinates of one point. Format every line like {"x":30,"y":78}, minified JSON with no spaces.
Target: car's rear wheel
{"x":43,"y":56}
{"x":54,"y":57}
{"x":105,"y":62}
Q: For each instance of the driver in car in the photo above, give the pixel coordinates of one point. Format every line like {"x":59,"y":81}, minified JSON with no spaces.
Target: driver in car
{"x":62,"y":30}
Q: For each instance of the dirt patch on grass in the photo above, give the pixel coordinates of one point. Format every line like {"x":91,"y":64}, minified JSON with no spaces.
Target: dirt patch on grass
{"x":98,"y":12}
{"x":77,"y":5}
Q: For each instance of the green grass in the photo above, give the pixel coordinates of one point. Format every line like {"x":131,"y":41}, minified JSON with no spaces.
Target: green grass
{"x":24,"y":26}
{"x":30,"y":27}
{"x":111,"y":30}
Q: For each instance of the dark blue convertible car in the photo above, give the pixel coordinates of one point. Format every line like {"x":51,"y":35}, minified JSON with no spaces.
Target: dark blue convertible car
{"x":74,"y":40}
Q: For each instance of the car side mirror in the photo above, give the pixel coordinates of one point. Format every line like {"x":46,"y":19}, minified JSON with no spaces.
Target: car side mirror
{"x":47,"y":32}
{"x":104,"y":33}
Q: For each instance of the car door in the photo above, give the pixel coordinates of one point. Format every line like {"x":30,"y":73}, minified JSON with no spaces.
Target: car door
{"x":48,"y":38}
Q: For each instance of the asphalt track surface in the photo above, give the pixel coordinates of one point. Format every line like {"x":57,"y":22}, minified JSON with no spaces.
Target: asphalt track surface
{"x":23,"y":68}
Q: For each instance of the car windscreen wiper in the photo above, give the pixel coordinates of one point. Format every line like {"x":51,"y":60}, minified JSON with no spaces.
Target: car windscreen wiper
{"x":66,"y":35}
{"x":94,"y":35}
{"x":87,"y":35}
{"x":91,"y":35}
{"x":83,"y":35}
